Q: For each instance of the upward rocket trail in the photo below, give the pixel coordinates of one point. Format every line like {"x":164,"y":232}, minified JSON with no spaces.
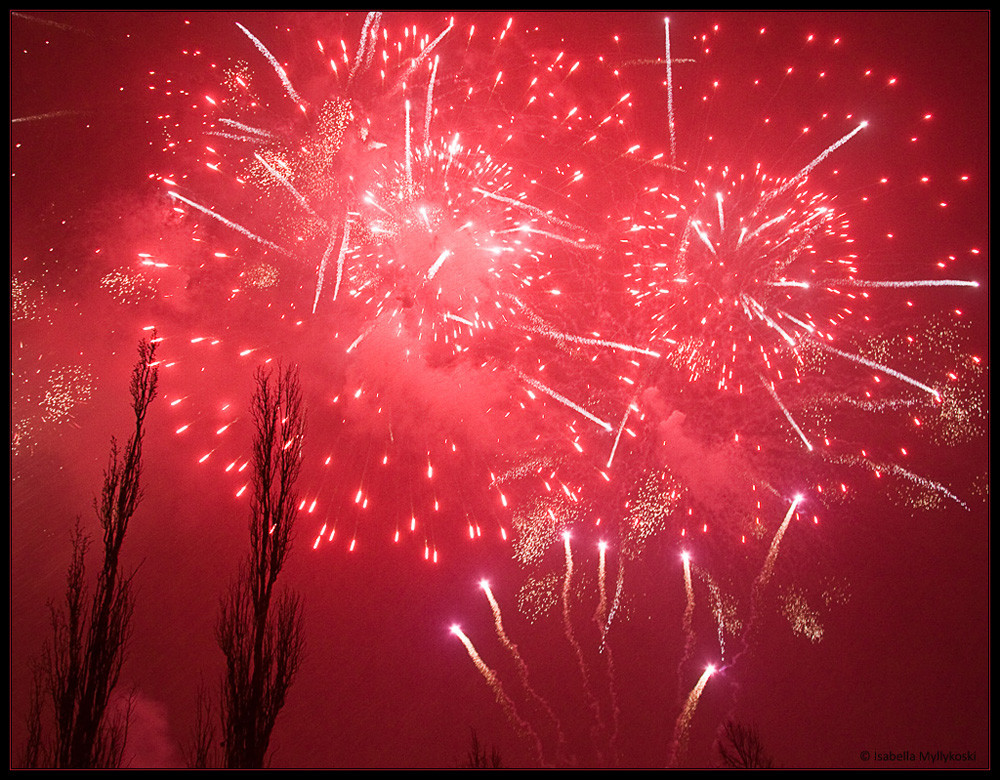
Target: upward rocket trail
{"x":683,"y":725}
{"x":689,"y":604}
{"x":571,"y":636}
{"x":522,"y":666}
{"x":772,"y":554}
{"x":494,"y":682}
{"x":601,"y":618}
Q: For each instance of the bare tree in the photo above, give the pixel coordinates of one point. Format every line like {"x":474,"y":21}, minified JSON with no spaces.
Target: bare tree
{"x":79,"y":669}
{"x":200,"y":749}
{"x":740,"y":747}
{"x":477,"y":758}
{"x":260,"y":630}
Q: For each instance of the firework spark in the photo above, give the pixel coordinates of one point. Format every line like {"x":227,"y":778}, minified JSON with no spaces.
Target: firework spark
{"x":683,"y":725}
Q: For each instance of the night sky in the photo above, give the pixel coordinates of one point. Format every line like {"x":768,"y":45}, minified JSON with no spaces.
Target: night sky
{"x":539,"y":320}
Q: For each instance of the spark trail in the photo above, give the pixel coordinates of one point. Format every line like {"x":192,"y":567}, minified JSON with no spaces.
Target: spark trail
{"x":616,"y":602}
{"x":899,"y":471}
{"x":522,"y":666}
{"x":670,"y":93}
{"x":687,"y":621}
{"x":906,"y":283}
{"x":528,"y":207}
{"x":618,"y":435}
{"x":717,"y":610}
{"x":564,"y":401}
{"x":600,"y":618}
{"x":428,"y":109}
{"x":345,"y":233}
{"x":802,"y":174}
{"x":600,"y":614}
{"x":879,"y":367}
{"x":229,"y":223}
{"x":788,"y":415}
{"x":571,"y":634}
{"x":683,"y":724}
{"x":502,"y":698}
{"x":688,"y":606}
{"x":613,"y":345}
{"x":767,"y":570}
{"x":366,"y":43}
{"x":283,"y":181}
{"x":603,"y":737}
{"x":289,"y":89}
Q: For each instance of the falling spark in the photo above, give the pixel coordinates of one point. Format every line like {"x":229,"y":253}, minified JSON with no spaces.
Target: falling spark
{"x":879,"y":367}
{"x":238,"y":228}
{"x":274,"y":64}
{"x":565,"y":401}
{"x":788,"y":415}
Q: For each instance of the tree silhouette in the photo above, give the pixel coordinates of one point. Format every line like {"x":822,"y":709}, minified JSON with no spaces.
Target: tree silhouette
{"x":740,"y":747}
{"x":199,"y":750}
{"x":79,"y":669}
{"x":260,"y":630}
{"x":477,"y":758}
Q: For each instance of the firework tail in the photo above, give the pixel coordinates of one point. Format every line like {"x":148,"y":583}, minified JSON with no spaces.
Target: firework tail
{"x":502,"y":698}
{"x":522,"y":667}
{"x":683,"y":725}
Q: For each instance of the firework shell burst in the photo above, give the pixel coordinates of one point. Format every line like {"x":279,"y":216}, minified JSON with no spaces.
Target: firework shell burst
{"x":518,"y":309}
{"x":418,"y":223}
